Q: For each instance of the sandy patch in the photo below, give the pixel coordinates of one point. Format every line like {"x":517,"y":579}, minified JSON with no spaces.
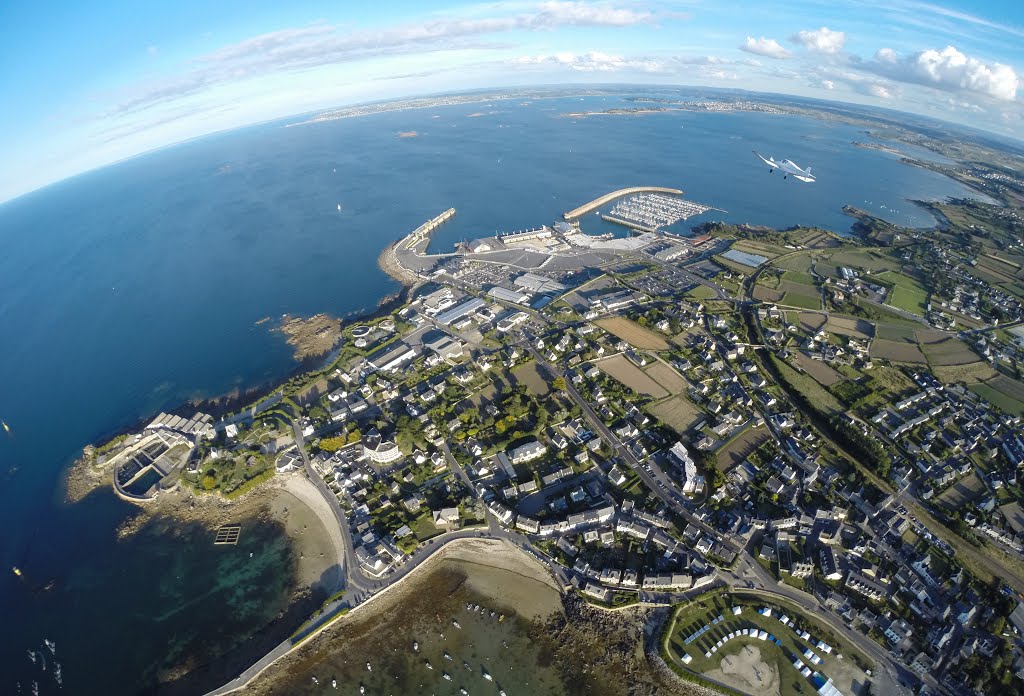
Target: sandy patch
{"x":748,"y":672}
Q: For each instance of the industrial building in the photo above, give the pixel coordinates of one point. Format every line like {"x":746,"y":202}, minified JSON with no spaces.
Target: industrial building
{"x":463,"y":310}
{"x":506,"y":295}
{"x":538,"y":283}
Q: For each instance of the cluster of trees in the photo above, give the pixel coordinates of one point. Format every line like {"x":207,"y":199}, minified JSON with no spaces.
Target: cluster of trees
{"x":868,"y":450}
{"x":333,"y":444}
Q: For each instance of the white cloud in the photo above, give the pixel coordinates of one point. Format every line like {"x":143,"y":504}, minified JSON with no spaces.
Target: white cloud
{"x":878,"y":90}
{"x":597,"y":61}
{"x":770,"y":48}
{"x":948,"y":69}
{"x":823,"y":40}
{"x":322,"y":44}
{"x":827,"y":84}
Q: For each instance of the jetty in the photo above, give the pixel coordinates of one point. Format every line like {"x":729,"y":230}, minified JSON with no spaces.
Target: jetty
{"x":598,"y":202}
{"x":421,"y":234}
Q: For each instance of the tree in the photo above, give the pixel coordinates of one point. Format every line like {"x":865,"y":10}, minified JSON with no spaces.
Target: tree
{"x":208,"y":482}
{"x":332,"y":444}
{"x":558,"y":383}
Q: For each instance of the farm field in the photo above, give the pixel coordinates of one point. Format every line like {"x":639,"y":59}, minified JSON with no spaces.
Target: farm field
{"x":812,"y":321}
{"x":906,"y":293}
{"x":528,"y":376}
{"x":678,"y":413}
{"x":633,"y":334}
{"x":971,"y":372}
{"x":867,"y":260}
{"x":897,"y":351}
{"x":949,"y":351}
{"x":741,"y":447}
{"x":848,"y":326}
{"x":1002,"y":392}
{"x":796,"y":299}
{"x":767,"y":294}
{"x":964,"y":491}
{"x":805,"y":384}
{"x":620,"y":368}
{"x":822,"y":373}
{"x":666,"y":377}
{"x":896,"y":332}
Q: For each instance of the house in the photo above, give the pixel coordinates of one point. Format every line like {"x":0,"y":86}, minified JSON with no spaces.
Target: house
{"x":446,"y":517}
{"x":528,"y":452}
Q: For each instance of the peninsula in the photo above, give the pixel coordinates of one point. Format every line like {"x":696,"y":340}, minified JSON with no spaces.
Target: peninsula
{"x":795,"y":454}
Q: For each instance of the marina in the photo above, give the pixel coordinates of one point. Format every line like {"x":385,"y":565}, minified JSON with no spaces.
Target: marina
{"x":653,"y":211}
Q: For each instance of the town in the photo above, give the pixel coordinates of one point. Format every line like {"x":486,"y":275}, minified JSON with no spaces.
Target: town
{"x":795,"y":438}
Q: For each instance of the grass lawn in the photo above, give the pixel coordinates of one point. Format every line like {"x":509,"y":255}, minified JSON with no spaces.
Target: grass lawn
{"x":906,"y":293}
{"x":701,"y":292}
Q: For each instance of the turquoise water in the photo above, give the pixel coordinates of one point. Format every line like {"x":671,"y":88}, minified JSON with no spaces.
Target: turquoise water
{"x":133,"y":288}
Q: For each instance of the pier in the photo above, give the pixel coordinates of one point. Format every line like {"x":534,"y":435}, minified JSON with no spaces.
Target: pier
{"x":597,"y":202}
{"x":228,"y":535}
{"x":421,"y":233}
{"x":626,"y":223}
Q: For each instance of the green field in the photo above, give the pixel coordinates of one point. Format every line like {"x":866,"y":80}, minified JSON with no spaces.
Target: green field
{"x":806,"y":384}
{"x":997,"y":398}
{"x":906,"y":293}
{"x":794,"y":299}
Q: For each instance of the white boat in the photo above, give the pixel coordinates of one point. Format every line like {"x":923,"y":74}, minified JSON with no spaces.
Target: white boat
{"x":487,"y":676}
{"x":429,"y":666}
{"x":334,"y":684}
{"x":466,"y":665}
{"x":368,"y":667}
{"x":447,"y":656}
{"x":456,"y":624}
{"x":32,"y":656}
{"x":463,"y":691}
{"x":502,"y":693}
{"x":339,"y":207}
{"x":315,"y":680}
{"x":51,"y":646}
{"x":415,"y":646}
{"x":447,"y":676}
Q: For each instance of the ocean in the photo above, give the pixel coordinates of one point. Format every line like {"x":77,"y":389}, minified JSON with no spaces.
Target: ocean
{"x":133,"y":288}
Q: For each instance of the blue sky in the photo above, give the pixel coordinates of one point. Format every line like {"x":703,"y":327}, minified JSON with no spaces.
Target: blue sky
{"x":86,"y":83}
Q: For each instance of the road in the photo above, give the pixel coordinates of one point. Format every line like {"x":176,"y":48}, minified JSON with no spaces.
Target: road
{"x":656,"y":480}
{"x":354,"y":578}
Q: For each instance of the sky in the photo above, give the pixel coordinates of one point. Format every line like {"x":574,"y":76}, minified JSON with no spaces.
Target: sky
{"x":89,"y":82}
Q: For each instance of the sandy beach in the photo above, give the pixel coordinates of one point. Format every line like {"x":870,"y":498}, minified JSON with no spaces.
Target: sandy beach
{"x":537,"y":641}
